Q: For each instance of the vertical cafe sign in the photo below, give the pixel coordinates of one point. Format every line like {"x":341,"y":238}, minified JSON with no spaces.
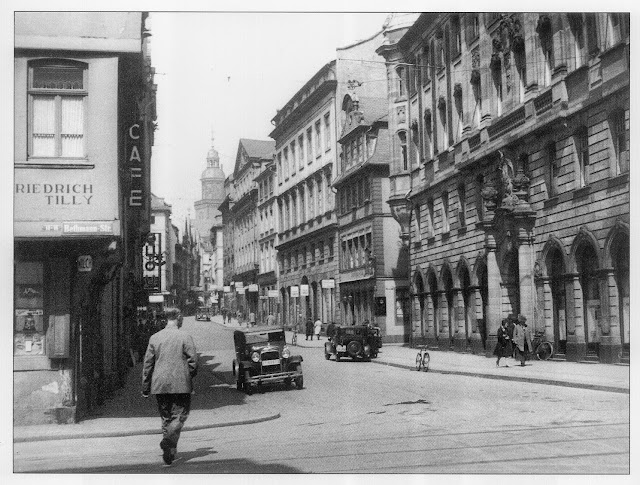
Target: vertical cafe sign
{"x":134,"y":165}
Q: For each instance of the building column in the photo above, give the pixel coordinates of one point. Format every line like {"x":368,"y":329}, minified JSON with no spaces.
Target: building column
{"x":526,"y":260}
{"x":611,"y":340}
{"x":576,"y":343}
{"x":494,"y":295}
{"x":431,"y":332}
{"x":474,"y":313}
{"x":444,"y":342}
{"x":459,"y":321}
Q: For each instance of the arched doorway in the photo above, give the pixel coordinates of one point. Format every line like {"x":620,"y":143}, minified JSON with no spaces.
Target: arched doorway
{"x":285,"y":307}
{"x":620,"y":262}
{"x":447,"y":285}
{"x":465,"y":286}
{"x":435,"y":316}
{"x":305,"y":298}
{"x":556,"y":270}
{"x":483,"y":287}
{"x":418,"y":326}
{"x":587,"y":266}
{"x":313,"y":291}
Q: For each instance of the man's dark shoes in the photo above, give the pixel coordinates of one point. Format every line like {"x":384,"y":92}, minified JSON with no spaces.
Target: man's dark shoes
{"x":167,"y":455}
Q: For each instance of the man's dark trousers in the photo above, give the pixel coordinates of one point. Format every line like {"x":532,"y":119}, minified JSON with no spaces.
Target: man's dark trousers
{"x":174,"y":410}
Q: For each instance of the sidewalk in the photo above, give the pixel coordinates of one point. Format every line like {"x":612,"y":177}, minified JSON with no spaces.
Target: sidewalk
{"x":604,"y":377}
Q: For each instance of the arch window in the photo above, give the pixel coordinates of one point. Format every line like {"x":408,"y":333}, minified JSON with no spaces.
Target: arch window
{"x":620,"y":140}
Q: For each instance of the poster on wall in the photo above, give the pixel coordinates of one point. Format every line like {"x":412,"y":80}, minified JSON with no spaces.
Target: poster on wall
{"x":29,"y":332}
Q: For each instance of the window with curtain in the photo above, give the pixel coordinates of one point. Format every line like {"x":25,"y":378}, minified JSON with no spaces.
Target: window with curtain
{"x":553,"y":169}
{"x":581,"y":142}
{"x":620,"y":140}
{"x":301,"y":152}
{"x":57,"y":93}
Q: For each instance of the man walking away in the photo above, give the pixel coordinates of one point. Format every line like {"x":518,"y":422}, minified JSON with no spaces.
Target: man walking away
{"x":309,"y":329}
{"x":170,"y":364}
{"x":522,"y":339}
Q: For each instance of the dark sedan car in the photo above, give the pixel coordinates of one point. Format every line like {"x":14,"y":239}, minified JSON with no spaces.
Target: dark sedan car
{"x":262,"y":356}
{"x":356,"y":341}
{"x":203,"y":313}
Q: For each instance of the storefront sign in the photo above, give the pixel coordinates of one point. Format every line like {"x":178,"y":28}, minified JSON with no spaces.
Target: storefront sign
{"x":328,"y":283}
{"x":134,"y":165}
{"x":156,"y":299}
{"x":240,"y":291}
{"x":85,"y":264}
{"x":304,"y":290}
{"x":239,"y":284}
{"x":227,"y":289}
{"x":273,"y":294}
{"x":253,"y":288}
{"x":295,"y":292}
{"x":152,"y":262}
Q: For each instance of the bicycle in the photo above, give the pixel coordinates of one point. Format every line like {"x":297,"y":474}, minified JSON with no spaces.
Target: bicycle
{"x":543,"y":349}
{"x":423,"y":358}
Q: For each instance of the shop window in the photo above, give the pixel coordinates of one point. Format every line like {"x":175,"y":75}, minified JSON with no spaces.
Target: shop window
{"x":57,"y":104}
{"x":29,"y":323}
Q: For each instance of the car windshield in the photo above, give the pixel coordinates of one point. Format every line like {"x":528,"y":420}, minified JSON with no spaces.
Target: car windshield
{"x":264,"y":337}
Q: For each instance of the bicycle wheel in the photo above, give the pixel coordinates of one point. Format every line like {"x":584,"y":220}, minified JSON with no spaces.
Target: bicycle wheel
{"x":418,"y":360}
{"x":544,"y":351}
{"x":426,"y":359}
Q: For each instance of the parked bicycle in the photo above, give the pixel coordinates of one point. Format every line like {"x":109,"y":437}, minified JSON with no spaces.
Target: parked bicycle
{"x":423,"y":359}
{"x":543,"y":349}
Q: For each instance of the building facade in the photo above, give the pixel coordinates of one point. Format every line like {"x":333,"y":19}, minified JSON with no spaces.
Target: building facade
{"x":510,"y":177}
{"x":267,"y":243}
{"x":84,"y":121}
{"x":306,"y":132}
{"x":373,"y":266}
{"x":240,"y":210}
{"x":208,"y":219}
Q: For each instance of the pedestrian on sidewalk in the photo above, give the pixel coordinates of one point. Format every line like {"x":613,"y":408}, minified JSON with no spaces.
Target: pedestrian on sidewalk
{"x":309,"y":329}
{"x":170,"y":364}
{"x":317,"y":328}
{"x":271,"y":320}
{"x":522,"y":339}
{"x":252,"y":319}
{"x":502,"y":346}
{"x":511,"y":325}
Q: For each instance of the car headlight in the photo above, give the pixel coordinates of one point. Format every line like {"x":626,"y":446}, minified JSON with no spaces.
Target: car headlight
{"x":286,"y":353}
{"x":255,"y":356}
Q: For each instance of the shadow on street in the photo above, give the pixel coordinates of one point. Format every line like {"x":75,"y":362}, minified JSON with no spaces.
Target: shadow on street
{"x":213,"y":390}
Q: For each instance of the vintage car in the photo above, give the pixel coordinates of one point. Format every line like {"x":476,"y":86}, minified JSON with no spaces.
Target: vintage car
{"x":262,"y":356}
{"x":355,"y":341}
{"x":203,"y":313}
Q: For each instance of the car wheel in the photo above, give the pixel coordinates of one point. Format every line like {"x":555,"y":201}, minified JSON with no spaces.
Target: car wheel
{"x":337,"y":357}
{"x":248,"y":388}
{"x":354,"y":348}
{"x":299,"y":380}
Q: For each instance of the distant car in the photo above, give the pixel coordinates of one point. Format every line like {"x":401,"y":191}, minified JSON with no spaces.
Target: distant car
{"x":356,"y":341}
{"x":262,"y":356}
{"x":203,"y":313}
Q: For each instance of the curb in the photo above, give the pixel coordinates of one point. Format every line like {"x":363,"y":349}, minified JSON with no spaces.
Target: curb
{"x":534,"y":380}
{"x":140,"y":432}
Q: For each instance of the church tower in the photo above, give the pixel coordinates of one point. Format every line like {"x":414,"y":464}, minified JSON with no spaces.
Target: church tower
{"x":209,"y":225}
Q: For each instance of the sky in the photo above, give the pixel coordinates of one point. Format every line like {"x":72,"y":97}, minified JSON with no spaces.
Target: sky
{"x":228,"y":73}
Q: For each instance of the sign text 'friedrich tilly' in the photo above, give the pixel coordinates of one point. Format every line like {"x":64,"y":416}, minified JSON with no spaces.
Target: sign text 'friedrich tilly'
{"x":59,"y":194}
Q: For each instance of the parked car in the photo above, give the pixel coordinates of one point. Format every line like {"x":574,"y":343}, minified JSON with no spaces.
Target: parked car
{"x":355,"y":341}
{"x":203,"y":313}
{"x":262,"y":356}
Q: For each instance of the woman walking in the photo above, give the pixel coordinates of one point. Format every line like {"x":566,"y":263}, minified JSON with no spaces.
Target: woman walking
{"x":503,"y":342}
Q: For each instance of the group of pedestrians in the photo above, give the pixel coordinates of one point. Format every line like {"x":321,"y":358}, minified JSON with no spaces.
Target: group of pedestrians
{"x":313,"y":328}
{"x":514,"y":340}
